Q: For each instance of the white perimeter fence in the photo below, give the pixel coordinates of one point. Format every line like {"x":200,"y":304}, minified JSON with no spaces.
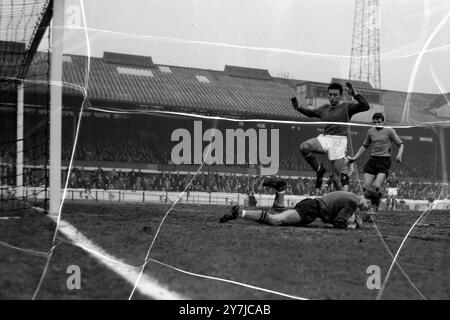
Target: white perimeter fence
{"x":205,"y":198}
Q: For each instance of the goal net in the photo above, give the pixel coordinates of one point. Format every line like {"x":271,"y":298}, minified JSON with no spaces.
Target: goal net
{"x":24,"y":104}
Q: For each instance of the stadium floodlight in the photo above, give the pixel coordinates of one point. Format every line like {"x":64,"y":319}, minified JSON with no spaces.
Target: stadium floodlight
{"x":365,"y":55}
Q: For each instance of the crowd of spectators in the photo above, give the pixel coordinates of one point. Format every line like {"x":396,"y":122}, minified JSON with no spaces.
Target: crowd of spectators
{"x":227,"y":183}
{"x":116,"y":140}
{"x":135,"y":180}
{"x":147,"y":140}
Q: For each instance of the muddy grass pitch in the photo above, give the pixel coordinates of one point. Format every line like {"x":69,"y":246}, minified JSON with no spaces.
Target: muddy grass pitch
{"x":199,"y":258}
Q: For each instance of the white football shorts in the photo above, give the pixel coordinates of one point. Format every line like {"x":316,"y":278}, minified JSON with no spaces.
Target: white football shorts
{"x":334,"y":146}
{"x":392,"y":191}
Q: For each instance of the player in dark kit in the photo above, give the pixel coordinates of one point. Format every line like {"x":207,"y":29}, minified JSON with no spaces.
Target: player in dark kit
{"x":377,"y":167}
{"x":333,"y":141}
{"x":392,"y":191}
{"x":337,"y":208}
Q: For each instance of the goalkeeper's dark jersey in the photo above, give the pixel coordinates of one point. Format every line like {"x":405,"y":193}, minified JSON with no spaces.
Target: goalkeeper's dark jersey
{"x":335,"y":208}
{"x":338,"y":205}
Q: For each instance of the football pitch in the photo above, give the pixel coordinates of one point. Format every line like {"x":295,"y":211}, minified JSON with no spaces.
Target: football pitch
{"x":190,"y":255}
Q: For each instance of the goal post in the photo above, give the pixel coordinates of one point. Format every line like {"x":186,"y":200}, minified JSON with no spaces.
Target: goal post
{"x":19,"y":143}
{"x":56,"y":62}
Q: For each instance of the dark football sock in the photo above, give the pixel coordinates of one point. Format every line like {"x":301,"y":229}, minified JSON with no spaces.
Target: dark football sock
{"x":312,"y":161}
{"x":278,"y":204}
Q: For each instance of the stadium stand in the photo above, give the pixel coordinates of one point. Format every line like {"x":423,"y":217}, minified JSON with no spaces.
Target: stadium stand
{"x":136,"y":83}
{"x":181,"y":89}
{"x":395,"y":102}
{"x":128,"y":142}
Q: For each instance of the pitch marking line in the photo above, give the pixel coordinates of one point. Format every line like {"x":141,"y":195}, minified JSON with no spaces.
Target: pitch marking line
{"x":32,"y":252}
{"x":226,"y":280}
{"x":147,"y":286}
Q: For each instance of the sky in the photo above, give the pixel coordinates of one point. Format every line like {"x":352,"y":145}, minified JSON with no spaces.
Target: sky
{"x":306,"y":40}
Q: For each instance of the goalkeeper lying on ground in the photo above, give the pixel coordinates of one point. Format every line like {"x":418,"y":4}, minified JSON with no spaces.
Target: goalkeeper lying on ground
{"x":337,"y":208}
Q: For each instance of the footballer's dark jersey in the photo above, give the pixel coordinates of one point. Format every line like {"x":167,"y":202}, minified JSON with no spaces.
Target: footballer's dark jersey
{"x":335,"y":208}
{"x":393,"y":182}
{"x":335,"y":202}
{"x":342,"y":112}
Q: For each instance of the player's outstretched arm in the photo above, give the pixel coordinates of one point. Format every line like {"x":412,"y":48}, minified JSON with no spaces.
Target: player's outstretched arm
{"x":400,"y":153}
{"x":396,"y":139}
{"x":361,"y":105}
{"x":307,"y":112}
{"x":362,"y":149}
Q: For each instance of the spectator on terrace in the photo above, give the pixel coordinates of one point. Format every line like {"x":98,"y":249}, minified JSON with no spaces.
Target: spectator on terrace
{"x":252,"y":200}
